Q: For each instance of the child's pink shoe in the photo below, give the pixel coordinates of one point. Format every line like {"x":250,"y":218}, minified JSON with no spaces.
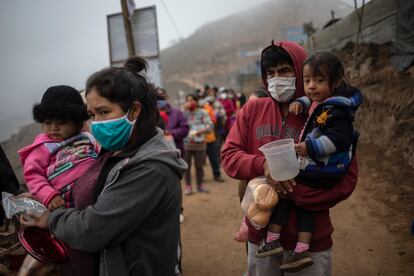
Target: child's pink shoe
{"x":242,"y":234}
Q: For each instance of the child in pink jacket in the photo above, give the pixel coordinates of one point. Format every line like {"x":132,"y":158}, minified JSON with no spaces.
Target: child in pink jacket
{"x":63,"y":152}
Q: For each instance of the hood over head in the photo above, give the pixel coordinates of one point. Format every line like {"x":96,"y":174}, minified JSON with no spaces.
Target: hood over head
{"x":298,"y":56}
{"x":39,"y":140}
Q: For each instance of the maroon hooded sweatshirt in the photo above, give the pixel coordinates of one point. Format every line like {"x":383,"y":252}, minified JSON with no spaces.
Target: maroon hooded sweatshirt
{"x":259,"y":122}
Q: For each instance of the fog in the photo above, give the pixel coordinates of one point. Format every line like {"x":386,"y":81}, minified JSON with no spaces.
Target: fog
{"x":49,"y":42}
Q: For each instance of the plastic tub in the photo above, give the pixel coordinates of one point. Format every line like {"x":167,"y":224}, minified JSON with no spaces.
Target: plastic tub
{"x":42,"y":246}
{"x":281,"y":159}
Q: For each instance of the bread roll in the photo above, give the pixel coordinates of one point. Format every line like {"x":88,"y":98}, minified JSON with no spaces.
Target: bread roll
{"x":258,"y":218}
{"x":265,"y":197}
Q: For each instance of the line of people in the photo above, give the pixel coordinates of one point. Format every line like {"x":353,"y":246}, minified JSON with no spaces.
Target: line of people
{"x":200,"y":129}
{"x":114,"y":196}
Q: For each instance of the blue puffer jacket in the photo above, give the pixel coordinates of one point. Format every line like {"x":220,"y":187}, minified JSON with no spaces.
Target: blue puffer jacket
{"x":330,"y":140}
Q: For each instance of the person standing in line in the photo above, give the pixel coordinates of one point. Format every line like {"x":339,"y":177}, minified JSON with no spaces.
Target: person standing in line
{"x":212,"y":146}
{"x":133,"y":220}
{"x":241,"y":99}
{"x":265,"y":120}
{"x":220,"y":112}
{"x":195,"y":143}
{"x":326,"y":147}
{"x":229,"y":107}
{"x":177,"y":123}
{"x":177,"y":126}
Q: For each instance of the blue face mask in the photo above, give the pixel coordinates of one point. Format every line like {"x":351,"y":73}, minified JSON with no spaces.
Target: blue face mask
{"x":113,"y":134}
{"x":161,"y":104}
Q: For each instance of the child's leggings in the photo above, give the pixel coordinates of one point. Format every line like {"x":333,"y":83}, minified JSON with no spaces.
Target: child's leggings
{"x":281,"y":212}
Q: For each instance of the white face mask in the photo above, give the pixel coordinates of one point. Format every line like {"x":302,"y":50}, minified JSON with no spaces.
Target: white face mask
{"x":282,"y":89}
{"x":223,"y":96}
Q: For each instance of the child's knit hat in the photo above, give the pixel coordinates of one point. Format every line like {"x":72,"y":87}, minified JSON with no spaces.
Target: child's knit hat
{"x":60,"y":102}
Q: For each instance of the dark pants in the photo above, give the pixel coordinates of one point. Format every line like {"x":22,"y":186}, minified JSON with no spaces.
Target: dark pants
{"x":280,"y":216}
{"x":199,"y":163}
{"x":212,"y":152}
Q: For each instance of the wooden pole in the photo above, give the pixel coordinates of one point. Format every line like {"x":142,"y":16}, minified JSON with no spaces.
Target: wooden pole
{"x":128,"y":29}
{"x":356,"y":49}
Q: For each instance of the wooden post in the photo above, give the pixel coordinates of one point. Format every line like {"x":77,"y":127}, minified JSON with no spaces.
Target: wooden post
{"x":356,"y":49}
{"x":128,"y":29}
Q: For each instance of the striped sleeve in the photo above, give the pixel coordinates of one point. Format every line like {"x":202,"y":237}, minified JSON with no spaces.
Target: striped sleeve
{"x":320,"y":146}
{"x":305,"y":102}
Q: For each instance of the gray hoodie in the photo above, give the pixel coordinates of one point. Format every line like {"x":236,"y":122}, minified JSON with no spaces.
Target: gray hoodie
{"x":134,"y":223}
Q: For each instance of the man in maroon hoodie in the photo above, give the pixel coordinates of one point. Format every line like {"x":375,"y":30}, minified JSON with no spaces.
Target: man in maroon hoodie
{"x":267,"y":119}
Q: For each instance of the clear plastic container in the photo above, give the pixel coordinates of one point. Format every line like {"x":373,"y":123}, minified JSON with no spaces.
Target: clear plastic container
{"x":281,"y":159}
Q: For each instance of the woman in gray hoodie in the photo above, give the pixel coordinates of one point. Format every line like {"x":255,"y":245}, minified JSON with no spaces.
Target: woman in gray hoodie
{"x":133,"y":222}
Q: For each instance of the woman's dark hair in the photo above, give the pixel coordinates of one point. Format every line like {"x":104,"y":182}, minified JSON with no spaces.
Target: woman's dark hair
{"x":275,"y":55}
{"x":328,"y":65}
{"x":125,"y":86}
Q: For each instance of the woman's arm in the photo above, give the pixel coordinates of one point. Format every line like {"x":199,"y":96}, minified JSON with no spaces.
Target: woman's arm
{"x":181,"y":129}
{"x":118,"y":212}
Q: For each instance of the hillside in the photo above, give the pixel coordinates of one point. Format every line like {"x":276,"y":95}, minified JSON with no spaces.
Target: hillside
{"x":382,"y":206}
{"x":386,"y":123}
{"x":211,"y":54}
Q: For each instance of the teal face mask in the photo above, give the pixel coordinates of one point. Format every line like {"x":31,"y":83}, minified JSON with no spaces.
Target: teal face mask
{"x":113,"y":134}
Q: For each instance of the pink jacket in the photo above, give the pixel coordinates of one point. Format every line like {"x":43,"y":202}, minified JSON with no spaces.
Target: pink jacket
{"x":37,"y":159}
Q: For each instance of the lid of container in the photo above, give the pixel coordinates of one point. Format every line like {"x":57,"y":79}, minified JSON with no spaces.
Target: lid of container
{"x":40,"y":244}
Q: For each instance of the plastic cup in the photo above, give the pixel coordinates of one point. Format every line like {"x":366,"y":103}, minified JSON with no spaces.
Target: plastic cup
{"x":281,"y":159}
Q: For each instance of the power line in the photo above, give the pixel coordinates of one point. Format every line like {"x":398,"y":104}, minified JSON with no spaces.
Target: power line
{"x":172,"y":20}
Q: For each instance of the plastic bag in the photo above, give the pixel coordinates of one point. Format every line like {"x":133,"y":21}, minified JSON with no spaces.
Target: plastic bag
{"x":248,"y":197}
{"x":258,"y":210}
{"x":21,"y":205}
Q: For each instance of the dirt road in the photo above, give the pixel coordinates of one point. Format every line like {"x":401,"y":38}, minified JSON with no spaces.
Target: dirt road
{"x":371,"y":228}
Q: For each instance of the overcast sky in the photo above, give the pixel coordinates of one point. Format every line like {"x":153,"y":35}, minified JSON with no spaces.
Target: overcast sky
{"x":48,"y":42}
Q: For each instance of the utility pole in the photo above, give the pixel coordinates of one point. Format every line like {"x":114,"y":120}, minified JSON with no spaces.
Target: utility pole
{"x":128,"y":29}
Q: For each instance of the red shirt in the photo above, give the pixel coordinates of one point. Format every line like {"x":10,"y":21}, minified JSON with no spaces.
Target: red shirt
{"x":259,"y":122}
